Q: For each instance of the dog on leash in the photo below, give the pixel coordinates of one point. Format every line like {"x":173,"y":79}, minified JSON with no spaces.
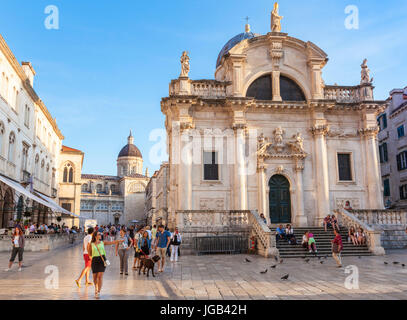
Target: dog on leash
{"x":148,"y":263}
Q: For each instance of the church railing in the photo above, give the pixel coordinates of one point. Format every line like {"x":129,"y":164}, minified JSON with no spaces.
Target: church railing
{"x":373,"y":237}
{"x":381,"y":217}
{"x":209,"y":88}
{"x":266,"y":239}
{"x":342,"y":93}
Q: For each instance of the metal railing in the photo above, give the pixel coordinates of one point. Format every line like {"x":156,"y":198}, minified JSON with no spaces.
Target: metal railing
{"x":220,"y":244}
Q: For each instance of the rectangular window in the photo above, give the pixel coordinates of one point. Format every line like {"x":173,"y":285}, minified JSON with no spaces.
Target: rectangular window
{"x":211,"y":166}
{"x":382,"y":121}
{"x":400,"y":131}
{"x":383,"y":153}
{"x":403,"y":192}
{"x":344,"y":167}
{"x":402,"y":161}
{"x":67,"y":206}
{"x":386,"y":188}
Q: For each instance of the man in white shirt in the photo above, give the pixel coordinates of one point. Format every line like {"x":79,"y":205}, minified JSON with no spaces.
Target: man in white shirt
{"x":88,"y":260}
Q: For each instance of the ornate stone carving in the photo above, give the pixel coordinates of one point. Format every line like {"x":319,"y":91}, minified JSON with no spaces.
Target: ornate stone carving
{"x":212,"y":204}
{"x":279,"y":170}
{"x":275,"y":19}
{"x":370,"y":132}
{"x":280,"y":148}
{"x":297,"y":145}
{"x":342,"y":134}
{"x":320,"y":130}
{"x":184,"y":64}
{"x":365,"y":73}
{"x":354,"y":203}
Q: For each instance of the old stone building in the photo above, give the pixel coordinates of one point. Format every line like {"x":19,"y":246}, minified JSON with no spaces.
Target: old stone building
{"x":268,"y":134}
{"x":156,"y":201}
{"x":393,"y":149}
{"x":116,"y":199}
{"x":30,"y":144}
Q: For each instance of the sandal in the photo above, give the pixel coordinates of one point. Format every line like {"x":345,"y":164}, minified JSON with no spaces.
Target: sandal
{"x":77,"y":283}
{"x":89,"y":283}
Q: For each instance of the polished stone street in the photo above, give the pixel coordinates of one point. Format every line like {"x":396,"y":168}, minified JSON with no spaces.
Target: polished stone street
{"x":210,"y":277}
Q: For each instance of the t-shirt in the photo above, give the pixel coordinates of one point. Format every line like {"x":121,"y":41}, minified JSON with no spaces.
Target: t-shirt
{"x":163,"y":238}
{"x":149,"y":234}
{"x":153,"y":233}
{"x":125,"y":243}
{"x":16,"y":244}
{"x":86,"y":241}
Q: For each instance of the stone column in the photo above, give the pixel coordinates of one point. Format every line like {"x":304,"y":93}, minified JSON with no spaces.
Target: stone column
{"x":240,"y":169}
{"x":317,"y":92}
{"x":275,"y":82}
{"x":185,"y":172}
{"x":300,"y":218}
{"x":322,"y":178}
{"x":262,"y":191}
{"x":372,"y":173}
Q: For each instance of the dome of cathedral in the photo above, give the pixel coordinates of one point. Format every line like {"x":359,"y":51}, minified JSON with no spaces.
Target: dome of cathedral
{"x":234,"y":41}
{"x":130,"y":150}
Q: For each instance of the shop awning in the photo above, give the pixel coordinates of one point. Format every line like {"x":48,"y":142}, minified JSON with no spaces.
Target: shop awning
{"x":56,"y":206}
{"x":44,"y":200}
{"x":19,"y":188}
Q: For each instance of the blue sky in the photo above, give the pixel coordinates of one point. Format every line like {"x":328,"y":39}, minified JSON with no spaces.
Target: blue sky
{"x":106,"y":69}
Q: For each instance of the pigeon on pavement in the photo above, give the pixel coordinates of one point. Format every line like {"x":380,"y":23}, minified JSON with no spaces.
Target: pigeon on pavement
{"x":285,"y":277}
{"x":247,"y":260}
{"x":264,"y":272}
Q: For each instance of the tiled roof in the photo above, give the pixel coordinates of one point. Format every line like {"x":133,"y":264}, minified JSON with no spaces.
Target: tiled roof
{"x":68,"y":149}
{"x":99,"y":176}
{"x":137,"y":175}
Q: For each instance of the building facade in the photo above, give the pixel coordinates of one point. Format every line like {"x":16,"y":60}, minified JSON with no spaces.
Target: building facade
{"x":30,"y":141}
{"x":393,"y":149}
{"x":116,"y":199}
{"x":156,"y":196}
{"x":268,"y":134}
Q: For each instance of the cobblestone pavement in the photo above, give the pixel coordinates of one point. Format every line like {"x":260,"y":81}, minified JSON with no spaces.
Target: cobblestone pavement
{"x":210,"y":277}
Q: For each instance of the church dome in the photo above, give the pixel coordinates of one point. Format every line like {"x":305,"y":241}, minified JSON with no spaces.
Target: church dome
{"x":130,"y":150}
{"x":234,"y":41}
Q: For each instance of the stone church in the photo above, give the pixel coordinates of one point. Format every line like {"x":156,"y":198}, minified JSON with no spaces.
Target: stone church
{"x":268,"y":134}
{"x":116,"y":199}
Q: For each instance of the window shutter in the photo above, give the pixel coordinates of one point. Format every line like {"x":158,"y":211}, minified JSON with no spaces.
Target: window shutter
{"x":385,"y":155}
{"x":399,"y":162}
{"x":384,"y":121}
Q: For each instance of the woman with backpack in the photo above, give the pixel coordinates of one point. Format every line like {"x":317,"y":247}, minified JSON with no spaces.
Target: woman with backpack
{"x":175,"y":243}
{"x":123,"y":245}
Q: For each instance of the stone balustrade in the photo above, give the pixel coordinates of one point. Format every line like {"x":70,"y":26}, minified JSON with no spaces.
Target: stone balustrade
{"x":266,"y":244}
{"x":208,"y":89}
{"x":42,"y":242}
{"x":373,"y":237}
{"x":381,"y":217}
{"x":342,"y":94}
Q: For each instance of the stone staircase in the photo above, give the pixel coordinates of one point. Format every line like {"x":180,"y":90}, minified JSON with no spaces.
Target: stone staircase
{"x":323,"y":243}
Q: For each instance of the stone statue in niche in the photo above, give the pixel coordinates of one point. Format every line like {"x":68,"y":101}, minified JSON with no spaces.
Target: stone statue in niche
{"x":275,"y":19}
{"x":184,"y":64}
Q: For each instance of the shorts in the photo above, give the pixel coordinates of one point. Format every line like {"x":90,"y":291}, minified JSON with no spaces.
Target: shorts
{"x":88,"y":261}
{"x":161,"y":252}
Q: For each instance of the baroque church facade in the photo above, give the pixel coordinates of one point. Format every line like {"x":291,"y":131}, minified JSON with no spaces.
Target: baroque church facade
{"x":116,"y":199}
{"x":268,"y":134}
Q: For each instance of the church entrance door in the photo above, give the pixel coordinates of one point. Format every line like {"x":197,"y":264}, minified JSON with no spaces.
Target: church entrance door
{"x":279,"y":199}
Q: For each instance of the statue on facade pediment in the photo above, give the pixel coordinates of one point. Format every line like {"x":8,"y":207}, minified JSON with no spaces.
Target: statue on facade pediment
{"x":263,"y":144}
{"x":297,"y":145}
{"x":365,"y":73}
{"x":184,"y":64}
{"x":275,"y":19}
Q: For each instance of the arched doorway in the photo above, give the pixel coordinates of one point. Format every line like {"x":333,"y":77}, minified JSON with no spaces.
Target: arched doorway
{"x":8,"y":208}
{"x":279,"y":199}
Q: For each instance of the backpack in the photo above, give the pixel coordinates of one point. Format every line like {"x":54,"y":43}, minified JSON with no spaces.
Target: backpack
{"x":175,"y":241}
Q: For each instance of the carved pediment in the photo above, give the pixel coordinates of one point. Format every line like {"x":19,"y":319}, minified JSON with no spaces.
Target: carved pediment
{"x":280,"y":147}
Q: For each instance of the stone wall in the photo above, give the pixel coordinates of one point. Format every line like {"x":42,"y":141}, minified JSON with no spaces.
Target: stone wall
{"x":393,"y":237}
{"x":42,"y":242}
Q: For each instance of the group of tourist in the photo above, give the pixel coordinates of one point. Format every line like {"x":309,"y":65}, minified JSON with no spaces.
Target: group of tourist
{"x":357,"y":237}
{"x":286,"y":233}
{"x":146,"y":241}
{"x":41,"y":228}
